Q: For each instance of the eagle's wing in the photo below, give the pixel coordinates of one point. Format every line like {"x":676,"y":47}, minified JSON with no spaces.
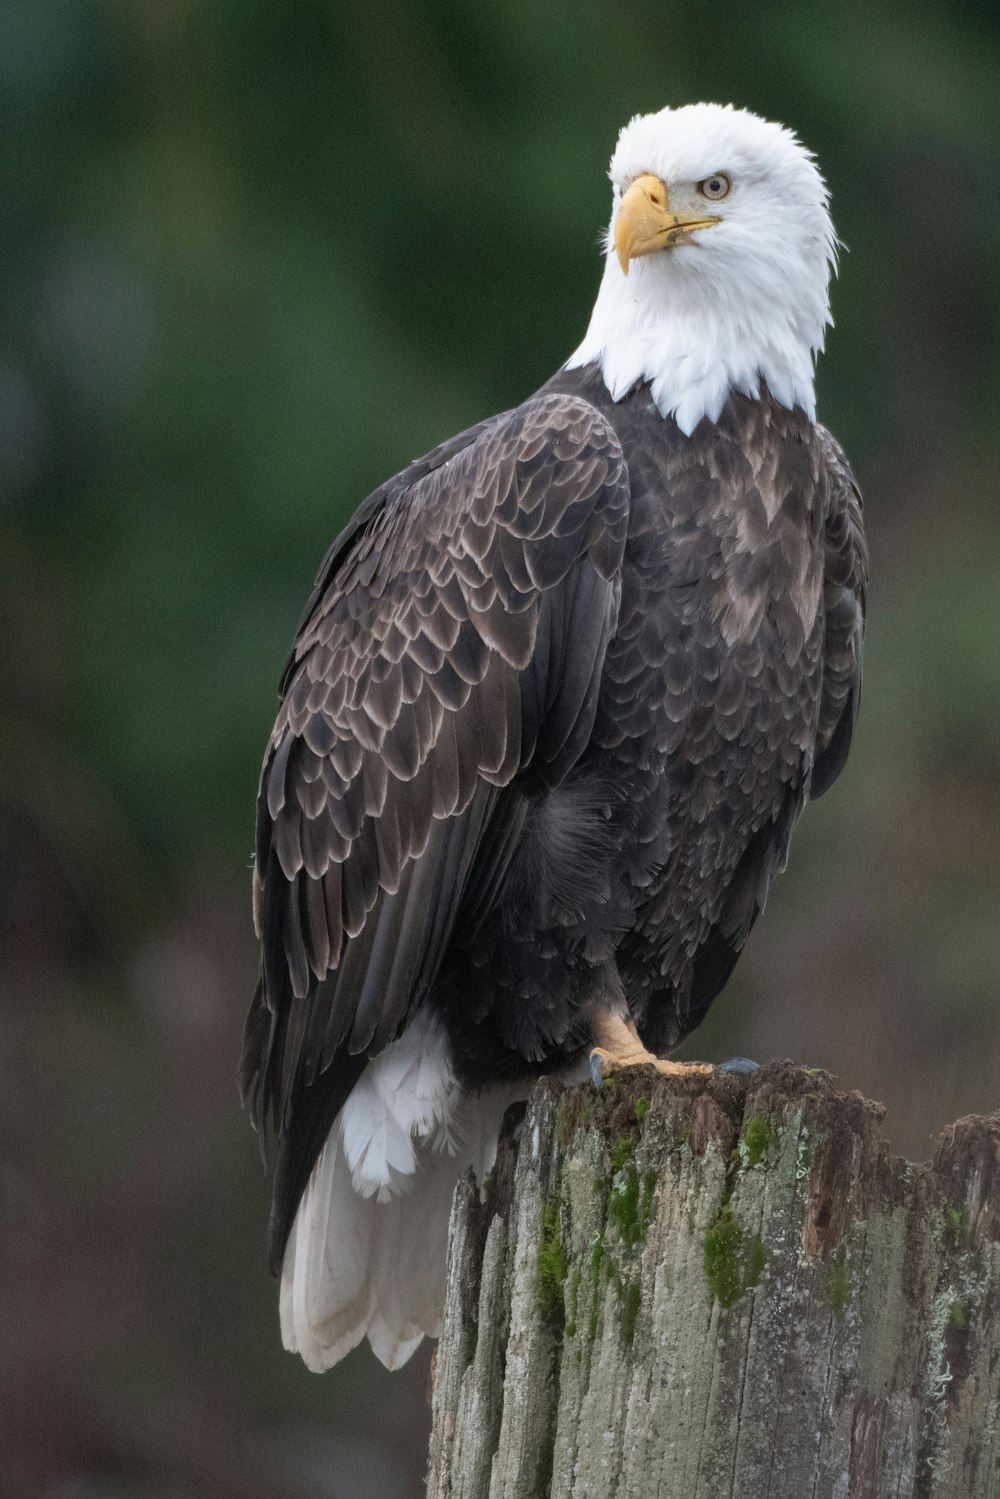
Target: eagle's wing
{"x":845,"y":581}
{"x":456,"y":636}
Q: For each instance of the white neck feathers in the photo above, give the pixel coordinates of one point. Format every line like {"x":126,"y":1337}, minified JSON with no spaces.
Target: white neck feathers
{"x":695,"y":341}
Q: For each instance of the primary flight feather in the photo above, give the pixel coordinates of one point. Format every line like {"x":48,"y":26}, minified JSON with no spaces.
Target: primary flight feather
{"x":560,"y":692}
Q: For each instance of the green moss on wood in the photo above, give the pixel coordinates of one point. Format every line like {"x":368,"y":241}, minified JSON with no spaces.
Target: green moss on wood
{"x":838,"y":1288}
{"x":642,"y":1108}
{"x":631,"y":1297}
{"x":756,"y":1142}
{"x":596,"y":1266}
{"x":722,"y":1256}
{"x":956,"y":1315}
{"x":573,"y":1298}
{"x":754,"y":1262}
{"x":631,"y":1198}
{"x":596,"y":1261}
{"x":623,"y":1149}
{"x":552,"y":1265}
{"x":956,"y":1227}
{"x":623,"y":1205}
{"x":733,"y":1264}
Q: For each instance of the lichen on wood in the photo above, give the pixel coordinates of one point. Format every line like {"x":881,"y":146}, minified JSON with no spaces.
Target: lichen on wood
{"x":722,"y":1289}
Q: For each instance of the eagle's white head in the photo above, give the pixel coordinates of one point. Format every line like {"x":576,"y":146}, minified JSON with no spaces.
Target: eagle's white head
{"x":718,"y":263}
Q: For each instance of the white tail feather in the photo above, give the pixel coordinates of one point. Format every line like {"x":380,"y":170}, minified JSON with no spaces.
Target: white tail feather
{"x":325,"y":1295}
{"x":366,"y":1255}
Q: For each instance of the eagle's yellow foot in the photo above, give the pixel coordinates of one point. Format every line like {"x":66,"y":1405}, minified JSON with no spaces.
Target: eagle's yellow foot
{"x":618,"y":1046}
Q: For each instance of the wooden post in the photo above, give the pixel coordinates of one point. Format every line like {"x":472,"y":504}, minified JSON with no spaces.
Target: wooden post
{"x":695,"y":1290}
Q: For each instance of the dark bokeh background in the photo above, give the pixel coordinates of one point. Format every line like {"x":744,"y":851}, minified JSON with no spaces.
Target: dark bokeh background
{"x":254,"y":255}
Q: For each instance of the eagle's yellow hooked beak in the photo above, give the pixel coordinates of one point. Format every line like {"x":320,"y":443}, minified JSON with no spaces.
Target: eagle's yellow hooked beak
{"x":645,"y":223}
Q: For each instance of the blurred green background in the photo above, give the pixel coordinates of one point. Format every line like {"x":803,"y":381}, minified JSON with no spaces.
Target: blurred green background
{"x":254,"y":255}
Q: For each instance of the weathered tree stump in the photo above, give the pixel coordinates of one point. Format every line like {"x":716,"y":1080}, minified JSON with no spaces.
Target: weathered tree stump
{"x":698,"y":1290}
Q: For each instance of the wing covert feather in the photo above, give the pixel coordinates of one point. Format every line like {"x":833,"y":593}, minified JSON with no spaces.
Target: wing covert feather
{"x":455,"y":637}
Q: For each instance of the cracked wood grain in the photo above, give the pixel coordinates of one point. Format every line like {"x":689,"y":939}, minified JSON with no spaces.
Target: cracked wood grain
{"x":706,"y":1290}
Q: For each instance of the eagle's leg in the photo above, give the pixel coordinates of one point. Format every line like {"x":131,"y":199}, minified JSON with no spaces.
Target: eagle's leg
{"x":618,"y":1046}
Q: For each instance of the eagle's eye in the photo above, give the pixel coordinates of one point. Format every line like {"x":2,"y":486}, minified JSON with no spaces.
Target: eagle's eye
{"x":717,"y":186}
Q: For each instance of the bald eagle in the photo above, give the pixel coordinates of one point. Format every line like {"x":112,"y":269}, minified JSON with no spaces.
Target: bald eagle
{"x":561,"y":690}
